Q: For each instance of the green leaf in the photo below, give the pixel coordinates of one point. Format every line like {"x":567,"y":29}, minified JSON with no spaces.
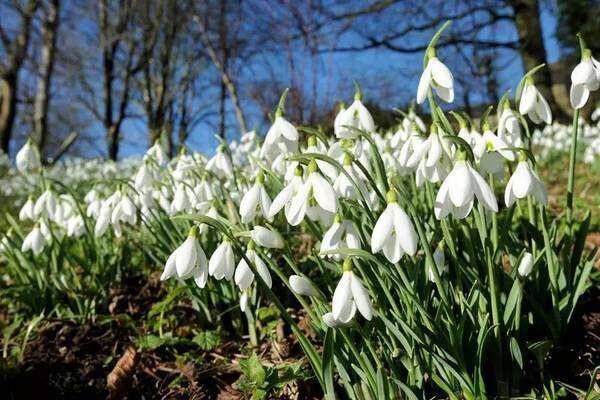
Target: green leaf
{"x":515,"y":352}
{"x":328,"y":350}
{"x":514,"y":298}
{"x":253,"y":370}
{"x":207,"y":340}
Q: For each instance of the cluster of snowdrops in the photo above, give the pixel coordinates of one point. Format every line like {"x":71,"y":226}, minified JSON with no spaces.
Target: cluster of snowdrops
{"x":435,"y":234}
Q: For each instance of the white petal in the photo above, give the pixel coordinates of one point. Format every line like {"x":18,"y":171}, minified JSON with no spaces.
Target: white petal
{"x":424,"y":85}
{"x":483,"y":192}
{"x":460,"y":187}
{"x":323,"y":192}
{"x":441,"y":74}
{"x":404,"y":230}
{"x":528,"y":99}
{"x":361,"y":298}
{"x":542,"y":108}
{"x":302,"y":286}
{"x":267,"y":238}
{"x":382,"y":230}
{"x":280,"y":200}
{"x":579,"y":95}
{"x":342,"y":303}
{"x":262,"y":270}
{"x":249,"y":203}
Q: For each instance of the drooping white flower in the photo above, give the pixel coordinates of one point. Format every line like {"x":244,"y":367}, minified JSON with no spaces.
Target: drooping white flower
{"x":394,"y":232}
{"x":255,"y":199}
{"x":28,"y":158}
{"x":316,"y":146}
{"x":491,"y":150}
{"x":243,"y":274}
{"x":532,"y":103}
{"x":303,"y":286}
{"x":526,"y":264}
{"x":268,"y":238}
{"x":509,"y":127}
{"x":124,"y":211}
{"x":458,"y":190}
{"x":343,"y":234}
{"x":220,"y":164}
{"x":222,"y":262}
{"x":281,"y":137}
{"x":350,"y":295}
{"x":45,"y":205}
{"x":351,"y":186}
{"x":34,"y":241}
{"x":354,"y":117}
{"x":314,"y":188}
{"x":524,"y":181}
{"x":145,"y":177}
{"x":156,"y":153}
{"x":437,"y":76}
{"x":27,"y":210}
{"x":585,"y":78}
{"x":287,"y":194}
{"x":188,"y":260}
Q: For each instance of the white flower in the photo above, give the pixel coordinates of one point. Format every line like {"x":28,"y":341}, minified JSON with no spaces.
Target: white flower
{"x":509,"y":127}
{"x":459,"y":188}
{"x":282,"y":136}
{"x":188,"y":260}
{"x":394,"y":232}
{"x":222,"y":262}
{"x":46,"y":205}
{"x":526,"y":264}
{"x":181,"y":200}
{"x":350,"y":295}
{"x":315,"y":187}
{"x":253,"y":198}
{"x":356,"y":116}
{"x":289,"y":192}
{"x":144,"y":178}
{"x":267,"y":237}
{"x":28,"y":158}
{"x":491,"y":151}
{"x":344,"y":186}
{"x":124,"y":211}
{"x":303,"y":286}
{"x":243,"y":274}
{"x":331,"y":322}
{"x":585,"y":78}
{"x":533,"y":104}
{"x":34,"y":241}
{"x":156,"y":153}
{"x":343,"y":234}
{"x":524,"y":181}
{"x":220,"y":164}
{"x":27,"y":210}
{"x":439,"y":77}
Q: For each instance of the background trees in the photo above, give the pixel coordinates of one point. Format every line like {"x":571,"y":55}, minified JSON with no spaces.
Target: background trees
{"x":110,"y":77}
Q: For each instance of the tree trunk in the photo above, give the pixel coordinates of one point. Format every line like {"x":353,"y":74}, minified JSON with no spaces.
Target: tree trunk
{"x":532,"y":50}
{"x":8,"y":106}
{"x":42,"y":97}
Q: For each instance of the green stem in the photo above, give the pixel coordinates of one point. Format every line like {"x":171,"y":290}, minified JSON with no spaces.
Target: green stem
{"x":572,"y":160}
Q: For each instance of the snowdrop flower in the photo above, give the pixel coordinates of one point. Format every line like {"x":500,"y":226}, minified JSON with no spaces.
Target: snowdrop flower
{"x":316,"y":146}
{"x":459,"y":188}
{"x":220,"y":164}
{"x":524,"y":181}
{"x":144,"y":178}
{"x":344,"y":186}
{"x":343,"y":234}
{"x":526,"y":265}
{"x":243,"y":274}
{"x":75,"y":227}
{"x":350,"y":295}
{"x":331,"y":322}
{"x":287,"y":194}
{"x":222,"y":262}
{"x":491,"y":151}
{"x":181,"y":200}
{"x":124,"y":211}
{"x":533,"y":104}
{"x":354,"y":117}
{"x":437,"y":76}
{"x":302,"y":286}
{"x":315,"y":187}
{"x":509,"y":127}
{"x":266,"y":237}
{"x":255,"y":198}
{"x":46,"y":205}
{"x":28,"y":158}
{"x":34,"y":241}
{"x":394,"y":232}
{"x":156,"y":153}
{"x":188,"y":260}
{"x":440,"y":263}
{"x":585,"y":78}
{"x":282,"y":135}
{"x":27,"y":210}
